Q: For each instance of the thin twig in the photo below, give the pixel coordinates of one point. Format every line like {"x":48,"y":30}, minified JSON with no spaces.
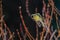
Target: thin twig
{"x":36,"y":32}
{"x":27,"y":9}
{"x":25,"y":25}
{"x":53,"y":35}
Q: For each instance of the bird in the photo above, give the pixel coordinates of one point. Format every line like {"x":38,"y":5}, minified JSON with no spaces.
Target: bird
{"x":38,"y":19}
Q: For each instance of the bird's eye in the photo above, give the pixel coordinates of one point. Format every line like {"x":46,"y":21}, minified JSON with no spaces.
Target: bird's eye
{"x":32,"y":16}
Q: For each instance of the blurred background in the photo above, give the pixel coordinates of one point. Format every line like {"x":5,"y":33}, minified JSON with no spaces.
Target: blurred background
{"x":12,"y":16}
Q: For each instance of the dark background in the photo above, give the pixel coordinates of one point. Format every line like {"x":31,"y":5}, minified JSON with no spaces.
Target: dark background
{"x":11,"y":12}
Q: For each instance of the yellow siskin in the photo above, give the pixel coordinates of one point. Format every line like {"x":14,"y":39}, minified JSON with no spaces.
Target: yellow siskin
{"x":38,"y":18}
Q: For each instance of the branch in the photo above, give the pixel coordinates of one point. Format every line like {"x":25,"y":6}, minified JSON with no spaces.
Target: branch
{"x":25,"y":25}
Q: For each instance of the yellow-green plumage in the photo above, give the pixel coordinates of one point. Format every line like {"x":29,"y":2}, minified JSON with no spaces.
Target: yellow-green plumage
{"x":37,"y":18}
